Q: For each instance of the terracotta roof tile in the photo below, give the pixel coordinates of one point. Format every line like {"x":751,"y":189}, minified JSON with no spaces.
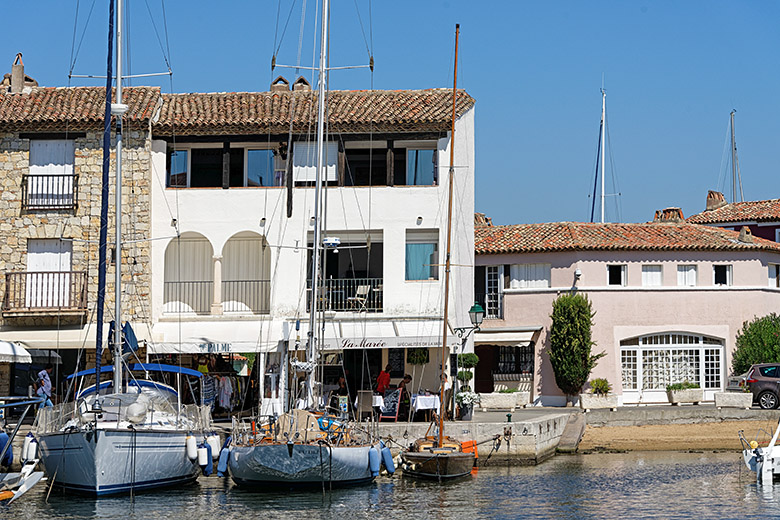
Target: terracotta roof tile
{"x":349,"y":111}
{"x":574,"y":236}
{"x":752,"y":211}
{"x":78,"y":108}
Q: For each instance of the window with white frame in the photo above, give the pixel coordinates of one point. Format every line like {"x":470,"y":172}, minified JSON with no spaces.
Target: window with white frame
{"x":523,"y":276}
{"x":422,"y":254}
{"x":49,"y":183}
{"x":616,"y":275}
{"x":774,"y":275}
{"x":722,"y":274}
{"x":493,"y":285}
{"x":686,"y":275}
{"x":652,"y":362}
{"x":203,"y":166}
{"x":420,"y":167}
{"x":305,"y":161}
{"x":652,"y":276}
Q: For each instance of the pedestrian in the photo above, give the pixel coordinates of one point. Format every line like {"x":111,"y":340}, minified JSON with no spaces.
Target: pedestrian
{"x":44,"y":385}
{"x":383,"y":380}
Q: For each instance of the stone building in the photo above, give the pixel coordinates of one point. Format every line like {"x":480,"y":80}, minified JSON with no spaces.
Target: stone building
{"x":50,"y":174}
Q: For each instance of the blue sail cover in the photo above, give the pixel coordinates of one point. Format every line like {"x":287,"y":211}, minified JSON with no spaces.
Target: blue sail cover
{"x":129,"y":341}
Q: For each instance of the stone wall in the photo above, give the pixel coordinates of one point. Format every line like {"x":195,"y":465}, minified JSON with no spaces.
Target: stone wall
{"x":82,"y":225}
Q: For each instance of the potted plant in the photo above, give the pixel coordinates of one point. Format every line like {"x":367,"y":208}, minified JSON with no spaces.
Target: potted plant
{"x":464,"y":376}
{"x":684,"y":392}
{"x":466,"y":401}
{"x":599,"y":396}
{"x":735,"y":399}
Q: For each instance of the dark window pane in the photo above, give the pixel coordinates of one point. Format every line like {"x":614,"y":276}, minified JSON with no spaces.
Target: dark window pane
{"x":615,"y":274}
{"x":366,"y":167}
{"x":206,"y":168}
{"x":721,"y":275}
{"x":768,"y":371}
{"x":177,"y":168}
{"x":236,"y":167}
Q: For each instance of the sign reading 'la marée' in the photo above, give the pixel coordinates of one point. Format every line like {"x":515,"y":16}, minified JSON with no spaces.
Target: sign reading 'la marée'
{"x":363,"y":343}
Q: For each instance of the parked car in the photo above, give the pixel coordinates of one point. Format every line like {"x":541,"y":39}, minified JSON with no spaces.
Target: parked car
{"x":763,"y":380}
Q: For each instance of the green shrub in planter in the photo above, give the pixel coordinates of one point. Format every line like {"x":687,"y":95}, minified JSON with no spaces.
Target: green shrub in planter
{"x":468,"y":360}
{"x":465,"y":376}
{"x":417,"y":356}
{"x":508,"y":391}
{"x":600,"y":386}
{"x":685,"y":385}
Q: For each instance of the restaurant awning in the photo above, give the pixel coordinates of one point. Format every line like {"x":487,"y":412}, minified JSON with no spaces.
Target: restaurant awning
{"x":213,"y":337}
{"x":13,"y":353}
{"x":506,"y":337}
{"x":376,"y":334}
{"x":43,"y":356}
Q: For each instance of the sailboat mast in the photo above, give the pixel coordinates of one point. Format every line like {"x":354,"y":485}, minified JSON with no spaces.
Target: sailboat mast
{"x":603,"y":145}
{"x":118,"y":112}
{"x":451,"y":181}
{"x":315,"y":268}
{"x":736,"y":176}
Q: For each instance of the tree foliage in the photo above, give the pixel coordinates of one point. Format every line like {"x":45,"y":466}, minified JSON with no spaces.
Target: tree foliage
{"x":570,"y":342}
{"x":757,"y":342}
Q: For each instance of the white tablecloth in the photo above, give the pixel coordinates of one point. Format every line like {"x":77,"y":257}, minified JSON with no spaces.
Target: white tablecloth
{"x":425,"y":402}
{"x":377,"y":401}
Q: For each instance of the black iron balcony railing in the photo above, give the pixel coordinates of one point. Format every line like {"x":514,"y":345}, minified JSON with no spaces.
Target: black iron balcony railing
{"x":350,"y":294}
{"x":188,"y":296}
{"x":246,"y":296}
{"x":493,"y":303}
{"x":45,"y":291}
{"x":49,"y":191}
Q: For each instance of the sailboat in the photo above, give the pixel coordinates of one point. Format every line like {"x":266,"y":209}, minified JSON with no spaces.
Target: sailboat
{"x":128,"y":434}
{"x":438,"y":456}
{"x":303,"y":447}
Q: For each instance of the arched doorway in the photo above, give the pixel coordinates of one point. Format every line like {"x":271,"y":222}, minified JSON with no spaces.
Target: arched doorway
{"x":246,"y":274}
{"x":189,"y":275}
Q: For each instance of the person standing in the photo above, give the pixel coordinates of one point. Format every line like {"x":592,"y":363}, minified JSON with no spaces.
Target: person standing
{"x":383,"y":380}
{"x":44,"y":385}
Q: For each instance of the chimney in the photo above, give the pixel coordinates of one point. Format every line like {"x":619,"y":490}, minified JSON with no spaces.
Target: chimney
{"x":669,"y":215}
{"x":301,"y":84}
{"x":280,"y":85}
{"x":745,"y":235}
{"x":480,"y":219}
{"x":715,"y":200}
{"x":17,"y":75}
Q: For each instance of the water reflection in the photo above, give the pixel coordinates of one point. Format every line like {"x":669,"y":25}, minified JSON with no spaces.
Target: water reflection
{"x":604,"y":486}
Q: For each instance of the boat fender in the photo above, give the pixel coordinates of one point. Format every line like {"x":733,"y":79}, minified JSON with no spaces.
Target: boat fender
{"x":374,"y":461}
{"x":26,"y":446}
{"x":32,"y":449}
{"x":212,"y":440}
{"x":208,"y":469}
{"x":191,"y":447}
{"x":222,"y":465}
{"x":470,"y":447}
{"x":387,"y":460}
{"x":202,"y":454}
{"x":9,"y":455}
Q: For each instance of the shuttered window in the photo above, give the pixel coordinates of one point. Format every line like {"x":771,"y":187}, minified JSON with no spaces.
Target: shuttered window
{"x":652,"y":276}
{"x":686,"y":275}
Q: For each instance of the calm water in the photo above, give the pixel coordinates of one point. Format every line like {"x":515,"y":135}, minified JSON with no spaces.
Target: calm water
{"x":602,"y":486}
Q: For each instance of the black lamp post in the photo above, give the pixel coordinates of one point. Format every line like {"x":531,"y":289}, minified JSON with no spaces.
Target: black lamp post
{"x":476,"y":315}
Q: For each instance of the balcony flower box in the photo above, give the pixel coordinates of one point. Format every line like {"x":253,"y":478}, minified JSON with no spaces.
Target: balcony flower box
{"x":688,"y":395}
{"x":734,"y":400}
{"x":590,"y":401}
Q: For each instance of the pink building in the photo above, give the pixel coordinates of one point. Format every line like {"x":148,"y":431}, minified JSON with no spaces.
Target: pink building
{"x":669,"y":298}
{"x":761,"y":216}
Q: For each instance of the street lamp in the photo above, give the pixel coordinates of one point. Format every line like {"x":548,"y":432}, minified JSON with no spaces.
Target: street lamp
{"x":476,"y":315}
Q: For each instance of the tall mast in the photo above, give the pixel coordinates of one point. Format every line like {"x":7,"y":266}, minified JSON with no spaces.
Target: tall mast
{"x":451,"y":181}
{"x":315,"y":268}
{"x":603,"y":145}
{"x":736,"y":176}
{"x":118,"y":110}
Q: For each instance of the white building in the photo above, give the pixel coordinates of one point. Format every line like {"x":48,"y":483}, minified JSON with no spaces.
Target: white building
{"x":232,"y":226}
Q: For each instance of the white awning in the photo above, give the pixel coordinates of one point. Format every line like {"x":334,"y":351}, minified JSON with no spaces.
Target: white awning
{"x":13,"y":353}
{"x":212,"y":337}
{"x":52,"y":338}
{"x":505,"y":337}
{"x":45,"y":356}
{"x":375,"y":334}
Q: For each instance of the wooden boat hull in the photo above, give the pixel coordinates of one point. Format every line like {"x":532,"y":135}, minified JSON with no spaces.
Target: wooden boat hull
{"x":436,"y":466}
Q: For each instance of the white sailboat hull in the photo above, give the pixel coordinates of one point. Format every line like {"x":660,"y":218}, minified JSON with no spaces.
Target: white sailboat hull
{"x":299,"y":465}
{"x":105,"y":461}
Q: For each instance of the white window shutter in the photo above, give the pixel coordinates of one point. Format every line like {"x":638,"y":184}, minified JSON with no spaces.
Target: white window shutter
{"x":305,"y":161}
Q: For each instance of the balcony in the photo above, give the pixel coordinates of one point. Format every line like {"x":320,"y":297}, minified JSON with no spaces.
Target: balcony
{"x":49,"y":192}
{"x":247,"y":296}
{"x":493,"y":303}
{"x":45,"y":293}
{"x":350,"y":294}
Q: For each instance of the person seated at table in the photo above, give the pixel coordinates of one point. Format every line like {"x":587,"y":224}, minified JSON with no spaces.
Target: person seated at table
{"x":383,"y":381}
{"x":406,"y":398}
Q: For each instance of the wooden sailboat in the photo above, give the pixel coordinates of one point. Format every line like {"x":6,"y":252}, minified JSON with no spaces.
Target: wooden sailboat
{"x":438,"y":456}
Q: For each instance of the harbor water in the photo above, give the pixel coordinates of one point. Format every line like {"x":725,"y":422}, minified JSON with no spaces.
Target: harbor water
{"x":602,"y":486}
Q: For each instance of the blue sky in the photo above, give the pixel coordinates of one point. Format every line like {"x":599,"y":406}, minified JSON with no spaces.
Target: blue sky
{"x":673,"y":71}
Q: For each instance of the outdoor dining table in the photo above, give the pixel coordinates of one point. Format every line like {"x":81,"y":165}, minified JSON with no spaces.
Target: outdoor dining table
{"x":425,"y":402}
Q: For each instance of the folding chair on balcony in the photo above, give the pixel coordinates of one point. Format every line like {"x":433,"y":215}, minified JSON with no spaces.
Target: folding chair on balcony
{"x":359,"y":300}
